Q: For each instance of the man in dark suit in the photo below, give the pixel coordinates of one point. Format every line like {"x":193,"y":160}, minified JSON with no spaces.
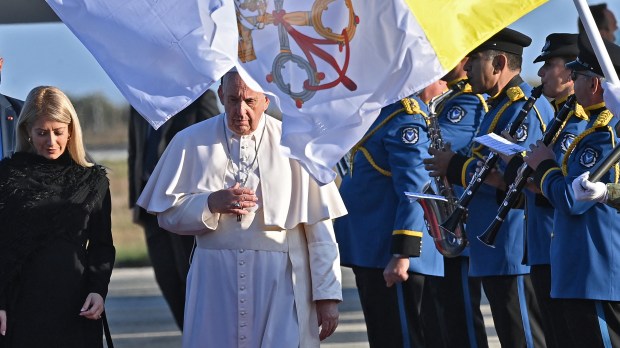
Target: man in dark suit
{"x":9,"y":111}
{"x":169,"y":253}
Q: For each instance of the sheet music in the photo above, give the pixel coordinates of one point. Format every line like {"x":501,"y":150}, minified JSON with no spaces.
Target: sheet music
{"x":413,"y":196}
{"x":498,"y":144}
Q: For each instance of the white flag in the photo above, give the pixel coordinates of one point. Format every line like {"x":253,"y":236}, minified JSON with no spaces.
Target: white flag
{"x":332,"y":64}
{"x":158,"y":53}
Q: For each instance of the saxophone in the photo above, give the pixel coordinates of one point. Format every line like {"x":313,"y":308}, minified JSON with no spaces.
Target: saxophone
{"x":448,"y":243}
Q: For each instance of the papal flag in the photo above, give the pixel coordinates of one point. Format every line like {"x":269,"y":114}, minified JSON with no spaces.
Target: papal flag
{"x":331,"y":64}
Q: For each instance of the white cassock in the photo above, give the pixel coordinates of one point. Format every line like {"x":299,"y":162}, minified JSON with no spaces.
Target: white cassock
{"x":252,"y":283}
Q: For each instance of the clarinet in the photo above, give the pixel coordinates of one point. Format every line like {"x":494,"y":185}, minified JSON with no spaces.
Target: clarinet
{"x":512,"y":196}
{"x":476,"y":181}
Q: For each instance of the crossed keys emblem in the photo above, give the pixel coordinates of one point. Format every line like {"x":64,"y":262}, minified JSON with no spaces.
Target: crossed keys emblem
{"x":310,"y":46}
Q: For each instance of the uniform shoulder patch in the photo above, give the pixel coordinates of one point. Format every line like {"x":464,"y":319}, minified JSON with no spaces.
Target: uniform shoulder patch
{"x":410,"y":135}
{"x":589,"y":157}
{"x":515,"y":93}
{"x":521,"y":134}
{"x":456,"y":114}
{"x":567,"y":139}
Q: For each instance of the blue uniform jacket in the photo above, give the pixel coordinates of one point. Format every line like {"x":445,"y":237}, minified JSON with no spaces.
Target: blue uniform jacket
{"x":386,"y":163}
{"x":586,"y":237}
{"x":459,"y":119}
{"x":539,"y":211}
{"x":506,"y":258}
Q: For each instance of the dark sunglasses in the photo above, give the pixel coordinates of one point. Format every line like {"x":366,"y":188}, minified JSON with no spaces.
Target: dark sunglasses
{"x":575,"y":73}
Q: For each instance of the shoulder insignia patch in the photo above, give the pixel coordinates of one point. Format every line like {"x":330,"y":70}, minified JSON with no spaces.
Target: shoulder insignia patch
{"x":588,"y":158}
{"x":566,"y":141}
{"x":410,"y":135}
{"x":515,"y":93}
{"x":456,"y":114}
{"x":521,"y":134}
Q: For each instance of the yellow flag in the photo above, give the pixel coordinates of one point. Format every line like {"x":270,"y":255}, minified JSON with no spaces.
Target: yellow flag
{"x":455,"y":27}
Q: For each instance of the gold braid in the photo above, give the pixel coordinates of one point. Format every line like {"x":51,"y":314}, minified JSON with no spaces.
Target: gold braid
{"x":600,"y":124}
{"x":411,"y":107}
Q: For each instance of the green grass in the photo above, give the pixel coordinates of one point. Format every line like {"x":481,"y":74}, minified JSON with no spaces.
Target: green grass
{"x":128,"y":237}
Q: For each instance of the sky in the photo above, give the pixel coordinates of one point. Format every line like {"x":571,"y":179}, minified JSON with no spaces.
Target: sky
{"x":49,"y":54}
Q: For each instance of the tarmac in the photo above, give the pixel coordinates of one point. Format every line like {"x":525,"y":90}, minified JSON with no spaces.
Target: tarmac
{"x":139,"y":317}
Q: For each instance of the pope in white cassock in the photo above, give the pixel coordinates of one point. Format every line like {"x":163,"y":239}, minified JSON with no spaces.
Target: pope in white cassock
{"x":265,"y":272}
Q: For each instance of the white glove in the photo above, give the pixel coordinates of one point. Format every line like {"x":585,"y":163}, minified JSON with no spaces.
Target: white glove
{"x":589,"y":191}
{"x":611,"y":95}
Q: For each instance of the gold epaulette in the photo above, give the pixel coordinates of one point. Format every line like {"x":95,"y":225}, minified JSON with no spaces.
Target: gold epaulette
{"x":515,"y":93}
{"x":411,"y":106}
{"x":467,"y":89}
{"x":581,"y":113}
{"x":603,"y":119}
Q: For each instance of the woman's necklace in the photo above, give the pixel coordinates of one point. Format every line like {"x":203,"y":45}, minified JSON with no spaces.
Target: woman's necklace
{"x":247,"y":169}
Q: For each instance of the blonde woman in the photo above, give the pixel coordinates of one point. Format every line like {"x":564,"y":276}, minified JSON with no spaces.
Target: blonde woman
{"x":56,"y":251}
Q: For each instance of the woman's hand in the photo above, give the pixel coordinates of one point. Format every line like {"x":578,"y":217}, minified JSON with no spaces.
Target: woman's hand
{"x":93,"y":307}
{"x":2,"y":322}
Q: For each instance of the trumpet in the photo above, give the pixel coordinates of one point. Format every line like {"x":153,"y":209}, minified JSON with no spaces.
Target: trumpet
{"x":457,"y":217}
{"x":448,"y":244}
{"x":512,"y":196}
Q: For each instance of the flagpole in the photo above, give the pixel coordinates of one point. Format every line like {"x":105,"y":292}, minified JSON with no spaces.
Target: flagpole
{"x":597,"y":41}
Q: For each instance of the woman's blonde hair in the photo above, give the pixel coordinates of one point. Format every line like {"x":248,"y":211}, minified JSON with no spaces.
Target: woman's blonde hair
{"x":50,"y":103}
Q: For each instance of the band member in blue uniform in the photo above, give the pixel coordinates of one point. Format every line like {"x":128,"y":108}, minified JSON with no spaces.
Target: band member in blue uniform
{"x":493,"y":68}
{"x":559,"y":49}
{"x":586,"y":235}
{"x":459,"y":119}
{"x":384,"y":238}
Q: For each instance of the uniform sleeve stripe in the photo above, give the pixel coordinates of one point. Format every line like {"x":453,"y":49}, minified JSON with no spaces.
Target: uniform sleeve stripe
{"x":408,"y":233}
{"x":542,"y":180}
{"x":464,"y":180}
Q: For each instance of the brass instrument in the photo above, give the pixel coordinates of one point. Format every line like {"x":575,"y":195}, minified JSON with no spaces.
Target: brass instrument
{"x":609,"y":161}
{"x":512,"y":196}
{"x":457,"y":217}
{"x":448,"y":243}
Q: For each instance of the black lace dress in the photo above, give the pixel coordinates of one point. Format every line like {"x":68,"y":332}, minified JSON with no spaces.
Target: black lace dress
{"x":55,"y":248}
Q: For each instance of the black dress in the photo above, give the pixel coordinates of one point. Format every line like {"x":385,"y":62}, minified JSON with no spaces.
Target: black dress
{"x":55,"y":248}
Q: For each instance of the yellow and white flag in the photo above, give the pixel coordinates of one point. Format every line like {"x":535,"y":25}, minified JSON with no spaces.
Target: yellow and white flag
{"x":332,"y":64}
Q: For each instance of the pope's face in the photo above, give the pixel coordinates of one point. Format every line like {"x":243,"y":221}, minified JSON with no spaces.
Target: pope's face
{"x":243,"y":106}
{"x":555,"y":78}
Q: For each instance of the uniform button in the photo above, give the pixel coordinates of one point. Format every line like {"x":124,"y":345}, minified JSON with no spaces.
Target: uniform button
{"x":241,"y":251}
{"x":242,"y":263}
{"x":242,"y":337}
{"x":242,"y":288}
{"x":242,"y":312}
{"x":243,"y":324}
{"x":242,"y":300}
{"x":242,"y":275}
